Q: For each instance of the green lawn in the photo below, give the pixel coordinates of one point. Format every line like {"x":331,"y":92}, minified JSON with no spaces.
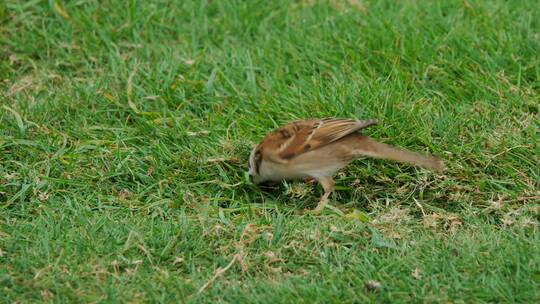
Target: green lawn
{"x":125,"y":128}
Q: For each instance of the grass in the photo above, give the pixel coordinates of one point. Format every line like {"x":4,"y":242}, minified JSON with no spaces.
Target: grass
{"x":125,"y":129}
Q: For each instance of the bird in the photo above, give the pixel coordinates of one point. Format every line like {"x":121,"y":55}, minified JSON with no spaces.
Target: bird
{"x":317,"y":148}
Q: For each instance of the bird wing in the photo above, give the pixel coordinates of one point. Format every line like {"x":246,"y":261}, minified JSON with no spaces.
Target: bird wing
{"x":303,"y":136}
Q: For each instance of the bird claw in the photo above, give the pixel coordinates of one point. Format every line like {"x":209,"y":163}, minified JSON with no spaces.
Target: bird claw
{"x":320,"y":206}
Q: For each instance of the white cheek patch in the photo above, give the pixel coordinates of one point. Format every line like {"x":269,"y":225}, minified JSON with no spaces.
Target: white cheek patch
{"x":251,"y":166}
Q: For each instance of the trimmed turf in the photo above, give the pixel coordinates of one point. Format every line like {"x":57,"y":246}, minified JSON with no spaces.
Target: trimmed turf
{"x":125,"y":128}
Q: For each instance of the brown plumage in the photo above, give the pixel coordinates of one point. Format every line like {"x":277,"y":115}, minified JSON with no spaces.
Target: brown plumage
{"x":318,"y":148}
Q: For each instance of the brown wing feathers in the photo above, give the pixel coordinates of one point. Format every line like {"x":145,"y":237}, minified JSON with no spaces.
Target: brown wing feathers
{"x":303,"y":136}
{"x":334,"y":129}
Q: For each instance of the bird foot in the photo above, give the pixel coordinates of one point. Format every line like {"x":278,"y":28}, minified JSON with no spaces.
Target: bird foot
{"x":320,"y":206}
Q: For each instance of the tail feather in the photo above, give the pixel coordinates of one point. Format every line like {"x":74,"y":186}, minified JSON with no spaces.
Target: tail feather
{"x":366,"y":146}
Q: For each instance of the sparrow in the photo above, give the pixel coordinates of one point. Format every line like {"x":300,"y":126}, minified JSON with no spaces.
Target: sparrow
{"x":318,"y":148}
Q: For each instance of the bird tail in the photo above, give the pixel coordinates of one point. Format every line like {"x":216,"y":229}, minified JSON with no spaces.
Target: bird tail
{"x":366,"y":146}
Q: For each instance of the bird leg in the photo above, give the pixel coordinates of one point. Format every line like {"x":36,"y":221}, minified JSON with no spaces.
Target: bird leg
{"x":328,"y":185}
